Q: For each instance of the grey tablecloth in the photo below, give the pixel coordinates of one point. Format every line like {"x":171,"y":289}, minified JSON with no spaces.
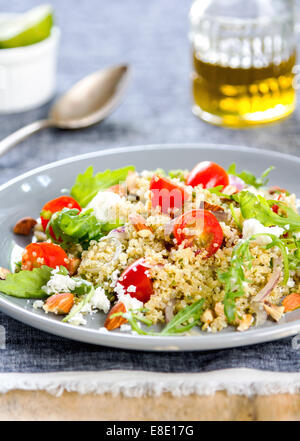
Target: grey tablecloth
{"x":152,"y":37}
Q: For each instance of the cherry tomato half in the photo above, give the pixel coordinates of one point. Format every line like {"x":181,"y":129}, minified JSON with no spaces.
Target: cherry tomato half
{"x":39,"y":254}
{"x":200,"y":228}
{"x":57,"y":205}
{"x":209,"y":174}
{"x":136,"y":275}
{"x":166,"y":194}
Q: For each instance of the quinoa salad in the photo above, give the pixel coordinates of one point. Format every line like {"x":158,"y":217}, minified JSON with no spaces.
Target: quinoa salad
{"x":204,"y":248}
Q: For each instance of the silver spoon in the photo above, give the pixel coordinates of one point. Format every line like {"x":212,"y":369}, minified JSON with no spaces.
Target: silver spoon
{"x":88,"y":102}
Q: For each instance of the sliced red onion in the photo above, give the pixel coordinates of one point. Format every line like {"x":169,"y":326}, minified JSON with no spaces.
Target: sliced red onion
{"x":169,"y":313}
{"x":260,"y":313}
{"x":274,"y":279}
{"x":237,"y":182}
{"x":168,"y":229}
{"x":119,"y":233}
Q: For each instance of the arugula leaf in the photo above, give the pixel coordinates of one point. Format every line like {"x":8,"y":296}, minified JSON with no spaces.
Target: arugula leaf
{"x":293,"y":245}
{"x":87,"y":185}
{"x":249,"y":178}
{"x":182,"y":322}
{"x":217,"y":190}
{"x":70,"y":227}
{"x":26,"y":284}
{"x":258,"y":207}
{"x":235,"y":278}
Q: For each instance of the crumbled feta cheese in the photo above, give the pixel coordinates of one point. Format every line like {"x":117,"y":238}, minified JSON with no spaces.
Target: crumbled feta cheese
{"x":87,"y":309}
{"x":103,"y":329}
{"x":290,"y":283}
{"x":125,"y":328}
{"x":130,"y":303}
{"x":38,"y":304}
{"x":253,"y":226}
{"x":114,"y":278}
{"x":59,"y":283}
{"x":131,"y":288}
{"x":119,"y":290}
{"x":78,"y":319}
{"x":100,"y":300}
{"x":106,"y":205}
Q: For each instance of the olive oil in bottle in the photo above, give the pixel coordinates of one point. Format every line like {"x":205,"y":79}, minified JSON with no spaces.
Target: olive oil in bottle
{"x":236,"y":96}
{"x":244,"y":54}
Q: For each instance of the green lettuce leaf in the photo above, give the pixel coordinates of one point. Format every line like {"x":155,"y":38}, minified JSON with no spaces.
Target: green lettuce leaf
{"x":87,"y":186}
{"x":26,"y":284}
{"x":249,"y":178}
{"x":259,"y":208}
{"x":69,"y":227}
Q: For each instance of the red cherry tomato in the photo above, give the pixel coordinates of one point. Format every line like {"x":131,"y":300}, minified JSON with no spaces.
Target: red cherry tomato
{"x":136,"y":275}
{"x":209,"y":174}
{"x":57,"y":205}
{"x":39,"y":254}
{"x":200,"y":228}
{"x":166,"y":194}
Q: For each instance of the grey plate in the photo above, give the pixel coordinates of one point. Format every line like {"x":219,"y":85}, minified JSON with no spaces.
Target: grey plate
{"x":25,"y":195}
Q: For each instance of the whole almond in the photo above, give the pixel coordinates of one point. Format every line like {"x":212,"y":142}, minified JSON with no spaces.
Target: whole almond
{"x":3,"y":273}
{"x":115,"y":322}
{"x":24,"y":226}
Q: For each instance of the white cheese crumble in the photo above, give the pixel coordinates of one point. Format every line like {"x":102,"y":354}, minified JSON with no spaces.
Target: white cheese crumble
{"x":78,"y":319}
{"x":290,"y":283}
{"x":130,"y":303}
{"x":38,"y":304}
{"x":59,"y":283}
{"x":125,"y":328}
{"x":100,"y":300}
{"x":253,"y":226}
{"x":106,"y":205}
{"x":114,"y":278}
{"x":103,"y":329}
{"x":131,"y":288}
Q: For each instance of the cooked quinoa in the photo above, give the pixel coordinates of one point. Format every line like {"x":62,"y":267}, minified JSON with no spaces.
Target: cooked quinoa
{"x":180,"y":275}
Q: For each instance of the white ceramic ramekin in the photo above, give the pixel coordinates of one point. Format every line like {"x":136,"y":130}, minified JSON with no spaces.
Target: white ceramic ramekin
{"x":28,"y":74}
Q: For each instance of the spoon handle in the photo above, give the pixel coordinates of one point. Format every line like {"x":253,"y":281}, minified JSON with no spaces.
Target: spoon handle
{"x":23,"y":133}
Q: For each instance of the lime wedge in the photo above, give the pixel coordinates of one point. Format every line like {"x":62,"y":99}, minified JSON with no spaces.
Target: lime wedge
{"x":26,"y":29}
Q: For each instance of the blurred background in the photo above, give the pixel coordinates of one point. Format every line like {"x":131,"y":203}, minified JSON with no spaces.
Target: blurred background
{"x":153,"y":38}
